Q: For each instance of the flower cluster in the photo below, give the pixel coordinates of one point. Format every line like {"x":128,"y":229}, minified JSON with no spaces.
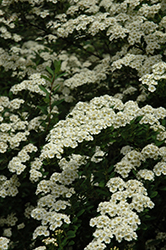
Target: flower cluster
{"x":133,"y":160}
{"x":15,"y":165}
{"x":117,"y":216}
{"x":88,"y":119}
{"x":49,"y":205}
{"x":4,"y":243}
{"x":151,"y":80}
{"x":32,"y":85}
{"x":9,"y":187}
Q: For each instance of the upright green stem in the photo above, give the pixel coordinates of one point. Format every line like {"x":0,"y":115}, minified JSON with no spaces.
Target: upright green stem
{"x":50,"y":95}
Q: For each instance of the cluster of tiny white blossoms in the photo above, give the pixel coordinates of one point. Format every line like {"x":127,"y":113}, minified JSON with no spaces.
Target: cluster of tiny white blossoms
{"x":133,"y":160}
{"x":15,"y":164}
{"x":49,"y":240}
{"x":137,"y":62}
{"x":32,"y":85}
{"x":35,"y":174}
{"x":54,"y":194}
{"x":20,"y":59}
{"x":117,"y":217}
{"x":88,"y":119}
{"x":9,"y":187}
{"x":4,"y":32}
{"x":11,"y":123}
{"x":7,"y":224}
{"x":87,"y":76}
{"x":158,"y":73}
{"x":9,"y":221}
{"x":4,"y":242}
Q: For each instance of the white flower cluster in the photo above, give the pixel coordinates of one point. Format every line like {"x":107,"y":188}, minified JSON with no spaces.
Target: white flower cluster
{"x":9,"y":221}
{"x":86,"y":76}
{"x":121,"y":25}
{"x":13,"y":105}
{"x":87,"y":119}
{"x":4,"y":33}
{"x":48,"y":206}
{"x":151,"y":80}
{"x":13,"y":130}
{"x":4,"y":242}
{"x":134,"y":159}
{"x":7,"y":232}
{"x":35,"y":123}
{"x":141,"y":63}
{"x":15,"y":165}
{"x":32,"y":85}
{"x":9,"y":187}
{"x":19,"y":59}
{"x":49,"y":240}
{"x":54,"y":220}
{"x":28,"y":210}
{"x":117,"y":216}
{"x":125,"y":23}
{"x":35,"y":174}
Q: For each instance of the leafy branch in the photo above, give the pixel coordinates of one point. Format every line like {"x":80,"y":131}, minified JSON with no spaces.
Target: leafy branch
{"x":53,"y":75}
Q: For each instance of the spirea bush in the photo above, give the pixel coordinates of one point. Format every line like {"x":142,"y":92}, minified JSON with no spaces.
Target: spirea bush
{"x":83,"y":124}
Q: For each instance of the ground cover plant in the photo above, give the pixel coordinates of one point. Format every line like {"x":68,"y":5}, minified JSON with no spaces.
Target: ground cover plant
{"x":83,"y":124}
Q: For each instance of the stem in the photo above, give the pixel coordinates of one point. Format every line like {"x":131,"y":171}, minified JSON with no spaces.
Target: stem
{"x":49,"y":121}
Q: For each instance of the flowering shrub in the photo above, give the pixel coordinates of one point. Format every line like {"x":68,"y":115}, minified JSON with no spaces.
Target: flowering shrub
{"x":83,"y":124}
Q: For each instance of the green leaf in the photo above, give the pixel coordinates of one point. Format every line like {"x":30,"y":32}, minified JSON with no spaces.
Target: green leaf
{"x":163,"y":188}
{"x":71,"y":243}
{"x":110,"y":168}
{"x":134,"y":172}
{"x":50,"y":70}
{"x":57,"y":103}
{"x":46,"y":78}
{"x":44,"y":90}
{"x":70,"y":234}
{"x":147,"y":216}
{"x":112,"y":175}
{"x":153,"y":194}
{"x":55,"y":90}
{"x":144,"y":226}
{"x":2,"y":166}
{"x":43,"y":109}
{"x":57,"y":65}
{"x":46,"y":99}
{"x":64,"y":242}
{"x":80,"y":212}
{"x":102,"y":184}
{"x":75,"y":220}
{"x":58,"y":76}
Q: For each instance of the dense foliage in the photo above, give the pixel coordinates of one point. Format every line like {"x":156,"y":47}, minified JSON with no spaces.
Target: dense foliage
{"x":83,"y":124}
